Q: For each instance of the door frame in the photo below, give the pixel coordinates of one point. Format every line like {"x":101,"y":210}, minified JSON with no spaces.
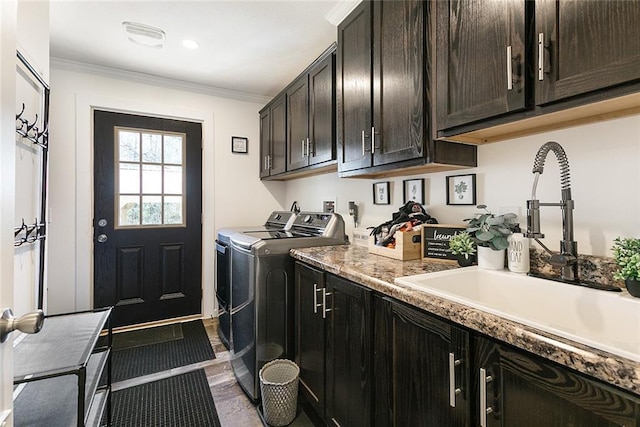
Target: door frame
{"x":85,"y":106}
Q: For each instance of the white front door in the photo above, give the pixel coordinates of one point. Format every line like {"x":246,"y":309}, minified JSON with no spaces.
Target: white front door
{"x":8,"y":14}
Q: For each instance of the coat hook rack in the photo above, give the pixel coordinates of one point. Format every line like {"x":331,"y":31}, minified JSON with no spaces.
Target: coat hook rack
{"x":25,"y":233}
{"x":29,"y":130}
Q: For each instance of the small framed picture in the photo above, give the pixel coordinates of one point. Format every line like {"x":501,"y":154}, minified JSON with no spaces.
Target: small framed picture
{"x":239,"y":144}
{"x":381,"y":194}
{"x":461,"y":189}
{"x":413,"y":190}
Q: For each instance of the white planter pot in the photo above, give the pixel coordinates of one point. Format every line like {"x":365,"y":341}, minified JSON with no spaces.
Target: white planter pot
{"x":490,"y":259}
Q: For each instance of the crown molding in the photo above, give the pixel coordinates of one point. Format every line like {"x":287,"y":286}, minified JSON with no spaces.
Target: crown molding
{"x":341,"y":10}
{"x":82,"y":67}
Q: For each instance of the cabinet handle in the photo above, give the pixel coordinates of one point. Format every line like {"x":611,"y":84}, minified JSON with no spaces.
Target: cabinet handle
{"x":315,"y":298}
{"x":303,"y":148}
{"x":484,"y":410}
{"x":541,"y":56}
{"x":452,"y":380}
{"x":363,"y":151}
{"x":373,"y":140}
{"x":509,"y":69}
{"x":308,"y":147}
{"x":265,"y":163}
{"x":269,"y":162}
{"x":325,"y":310}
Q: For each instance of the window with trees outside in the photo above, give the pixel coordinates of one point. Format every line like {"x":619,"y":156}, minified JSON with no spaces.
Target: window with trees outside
{"x":150,"y":178}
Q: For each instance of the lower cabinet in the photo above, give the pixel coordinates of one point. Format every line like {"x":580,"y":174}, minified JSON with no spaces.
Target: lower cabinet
{"x":334,"y":348}
{"x":518,"y":389}
{"x":370,"y":360}
{"x":421,"y":368}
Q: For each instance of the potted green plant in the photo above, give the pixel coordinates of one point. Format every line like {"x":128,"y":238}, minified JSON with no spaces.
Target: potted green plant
{"x":626,"y":254}
{"x":463,"y":245}
{"x":490,"y":232}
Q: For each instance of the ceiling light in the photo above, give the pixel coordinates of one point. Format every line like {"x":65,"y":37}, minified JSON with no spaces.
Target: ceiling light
{"x":144,"y":35}
{"x":190,"y":44}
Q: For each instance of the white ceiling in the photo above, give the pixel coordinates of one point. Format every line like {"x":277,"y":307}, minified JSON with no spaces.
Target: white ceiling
{"x":251,"y":47}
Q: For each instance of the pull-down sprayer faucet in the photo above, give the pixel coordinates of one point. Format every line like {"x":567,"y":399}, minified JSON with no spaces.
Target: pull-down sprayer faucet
{"x":568,"y":256}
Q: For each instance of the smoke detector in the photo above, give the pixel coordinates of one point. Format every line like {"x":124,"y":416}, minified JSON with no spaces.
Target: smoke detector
{"x":144,"y":35}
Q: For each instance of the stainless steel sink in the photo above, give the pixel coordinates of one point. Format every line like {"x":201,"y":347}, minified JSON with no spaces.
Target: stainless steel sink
{"x":605,"y":320}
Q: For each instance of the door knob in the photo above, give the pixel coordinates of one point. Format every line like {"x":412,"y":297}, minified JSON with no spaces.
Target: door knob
{"x":102,"y":238}
{"x":30,"y":323}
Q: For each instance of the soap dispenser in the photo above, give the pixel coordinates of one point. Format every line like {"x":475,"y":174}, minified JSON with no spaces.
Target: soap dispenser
{"x":518,"y":252}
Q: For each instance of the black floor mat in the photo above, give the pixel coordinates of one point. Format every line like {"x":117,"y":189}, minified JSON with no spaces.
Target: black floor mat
{"x":132,"y":362}
{"x":181,"y":400}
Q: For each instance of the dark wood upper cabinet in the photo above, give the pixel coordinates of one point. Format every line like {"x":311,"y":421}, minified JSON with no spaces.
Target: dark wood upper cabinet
{"x":298,"y":123}
{"x":476,"y":80}
{"x":302,"y":136}
{"x":311,"y":116}
{"x":322,"y":112}
{"x":523,"y":390}
{"x":354,"y":90}
{"x":548,"y":61}
{"x":265,"y":141}
{"x":273,"y":138}
{"x":585,"y":46}
{"x":277,"y":160}
{"x":384,"y":92}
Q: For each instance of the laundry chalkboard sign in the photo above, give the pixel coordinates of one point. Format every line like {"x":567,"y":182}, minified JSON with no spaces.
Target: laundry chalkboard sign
{"x":435,"y":240}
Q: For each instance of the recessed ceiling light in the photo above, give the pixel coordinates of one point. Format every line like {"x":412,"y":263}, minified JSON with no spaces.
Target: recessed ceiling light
{"x":144,"y":35}
{"x":190,"y":44}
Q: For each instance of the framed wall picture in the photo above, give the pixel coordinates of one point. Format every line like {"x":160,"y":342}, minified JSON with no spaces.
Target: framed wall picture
{"x":239,"y":144}
{"x":413,"y":190}
{"x":461,"y":189}
{"x":381,"y":194}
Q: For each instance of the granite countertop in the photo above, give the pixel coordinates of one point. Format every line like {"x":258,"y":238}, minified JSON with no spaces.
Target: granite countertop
{"x":378,"y":273}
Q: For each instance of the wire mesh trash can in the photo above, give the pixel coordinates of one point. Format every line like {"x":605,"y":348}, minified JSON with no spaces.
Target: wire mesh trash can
{"x":279,"y":389}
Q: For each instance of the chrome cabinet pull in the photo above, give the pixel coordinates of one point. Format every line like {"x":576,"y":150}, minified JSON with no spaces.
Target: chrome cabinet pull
{"x":325,"y":310}
{"x":303,"y":148}
{"x":509,"y":69}
{"x":541,"y":56}
{"x":363,"y":151}
{"x":484,"y":410}
{"x":373,"y":139}
{"x":315,"y":298}
{"x":308,"y":147}
{"x":452,"y":379}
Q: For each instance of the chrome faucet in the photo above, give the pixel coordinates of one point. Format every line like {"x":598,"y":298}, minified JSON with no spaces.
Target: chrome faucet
{"x":567,"y":259}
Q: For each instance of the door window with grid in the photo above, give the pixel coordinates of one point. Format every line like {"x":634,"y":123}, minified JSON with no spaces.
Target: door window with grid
{"x":150,"y":178}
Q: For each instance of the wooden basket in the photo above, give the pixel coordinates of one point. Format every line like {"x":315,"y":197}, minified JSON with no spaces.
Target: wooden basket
{"x":408,"y":246}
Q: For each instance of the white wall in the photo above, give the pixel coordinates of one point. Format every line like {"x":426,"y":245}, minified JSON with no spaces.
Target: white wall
{"x":232,"y":191}
{"x":604,"y":160}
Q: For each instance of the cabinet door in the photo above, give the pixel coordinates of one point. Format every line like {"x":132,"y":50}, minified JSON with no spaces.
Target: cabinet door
{"x":298,"y":123}
{"x":354,"y":89}
{"x":400,"y":95}
{"x":278,"y":162}
{"x":474,"y":78}
{"x":526,"y":391}
{"x":414,"y":376}
{"x":585,"y":46}
{"x":322,"y":118}
{"x":265,"y":141}
{"x":348,"y":353}
{"x":310,"y":334}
